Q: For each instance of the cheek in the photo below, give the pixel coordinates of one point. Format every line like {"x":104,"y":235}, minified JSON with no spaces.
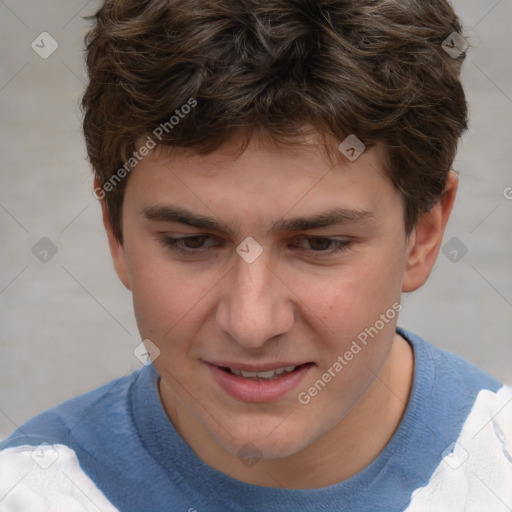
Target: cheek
{"x":353,"y":315}
{"x":165,"y":309}
{"x":172,"y":304}
{"x":351,"y":298}
{"x":166,"y":298}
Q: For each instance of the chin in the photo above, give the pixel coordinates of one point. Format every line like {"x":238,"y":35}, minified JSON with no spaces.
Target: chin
{"x":260,"y":442}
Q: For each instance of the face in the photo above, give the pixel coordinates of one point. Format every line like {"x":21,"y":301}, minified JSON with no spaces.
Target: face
{"x":323,"y":266}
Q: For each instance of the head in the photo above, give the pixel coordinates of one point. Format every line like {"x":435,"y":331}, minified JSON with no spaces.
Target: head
{"x":228,"y":115}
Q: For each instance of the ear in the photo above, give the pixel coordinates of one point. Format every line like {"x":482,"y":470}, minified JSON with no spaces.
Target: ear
{"x":426,"y":239}
{"x":116,"y":247}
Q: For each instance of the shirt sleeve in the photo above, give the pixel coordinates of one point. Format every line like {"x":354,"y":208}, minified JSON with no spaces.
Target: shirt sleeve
{"x":475,"y":474}
{"x":47,"y":478}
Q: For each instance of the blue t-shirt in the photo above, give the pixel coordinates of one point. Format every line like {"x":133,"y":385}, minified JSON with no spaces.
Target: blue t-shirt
{"x":115,"y":449}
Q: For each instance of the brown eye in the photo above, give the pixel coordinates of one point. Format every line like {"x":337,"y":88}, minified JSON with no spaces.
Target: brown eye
{"x":194,"y":242}
{"x":320,"y":244}
{"x":187,"y":245}
{"x":323,"y":246}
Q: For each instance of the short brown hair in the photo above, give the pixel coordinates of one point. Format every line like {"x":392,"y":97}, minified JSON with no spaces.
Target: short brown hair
{"x":373,"y":68}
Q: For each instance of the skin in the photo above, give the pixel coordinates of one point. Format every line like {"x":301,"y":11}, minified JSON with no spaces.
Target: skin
{"x":293,"y":303}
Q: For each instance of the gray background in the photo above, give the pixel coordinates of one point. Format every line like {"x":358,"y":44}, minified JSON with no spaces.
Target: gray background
{"x":67,"y":325}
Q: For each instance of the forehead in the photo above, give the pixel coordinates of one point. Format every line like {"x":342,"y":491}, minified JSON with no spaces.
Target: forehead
{"x":262,"y":163}
{"x":261,"y":184}
{"x":309,"y":149}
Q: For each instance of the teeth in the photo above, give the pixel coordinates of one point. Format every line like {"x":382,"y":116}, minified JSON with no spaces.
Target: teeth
{"x":249,"y":374}
{"x":266,"y":375}
{"x":263,"y":375}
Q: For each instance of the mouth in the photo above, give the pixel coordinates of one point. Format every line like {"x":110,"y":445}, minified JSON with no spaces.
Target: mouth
{"x":263,"y":375}
{"x":265,"y":383}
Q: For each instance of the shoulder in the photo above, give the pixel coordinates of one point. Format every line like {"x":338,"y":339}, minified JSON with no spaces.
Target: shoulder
{"x":46,"y":478}
{"x":469,"y":415}
{"x":70,"y":419}
{"x":447,"y":377}
{"x":475,"y":472}
{"x":42,"y":460}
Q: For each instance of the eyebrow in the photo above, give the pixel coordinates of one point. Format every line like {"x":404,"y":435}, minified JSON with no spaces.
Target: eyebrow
{"x":338,"y":216}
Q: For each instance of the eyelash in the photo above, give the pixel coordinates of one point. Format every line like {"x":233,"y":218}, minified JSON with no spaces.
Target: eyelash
{"x":173,"y":244}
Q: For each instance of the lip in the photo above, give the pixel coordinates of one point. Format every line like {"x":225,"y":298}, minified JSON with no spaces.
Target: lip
{"x":255,"y":368}
{"x":258,"y":391}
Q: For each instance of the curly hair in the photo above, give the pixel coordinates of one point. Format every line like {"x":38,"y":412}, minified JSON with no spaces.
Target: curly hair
{"x":373,"y":68}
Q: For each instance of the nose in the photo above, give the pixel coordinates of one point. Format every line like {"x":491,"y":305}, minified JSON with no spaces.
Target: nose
{"x":255,"y":305}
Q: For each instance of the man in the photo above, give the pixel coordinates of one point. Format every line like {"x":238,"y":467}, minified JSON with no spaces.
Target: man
{"x":273,"y":176}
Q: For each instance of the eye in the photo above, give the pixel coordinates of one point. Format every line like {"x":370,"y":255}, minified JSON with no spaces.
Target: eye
{"x":325,"y":245}
{"x":189,"y":244}
{"x":194,"y":242}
